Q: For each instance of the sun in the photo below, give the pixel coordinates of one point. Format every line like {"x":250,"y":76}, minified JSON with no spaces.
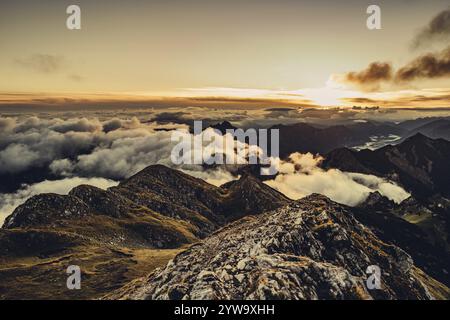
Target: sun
{"x":332,"y":94}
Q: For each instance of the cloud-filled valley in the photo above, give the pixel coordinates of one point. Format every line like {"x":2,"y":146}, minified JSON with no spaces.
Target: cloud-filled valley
{"x":72,"y":151}
{"x":301,"y":176}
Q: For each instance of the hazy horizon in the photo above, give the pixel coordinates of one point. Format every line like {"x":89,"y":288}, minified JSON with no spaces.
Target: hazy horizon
{"x":211,"y":53}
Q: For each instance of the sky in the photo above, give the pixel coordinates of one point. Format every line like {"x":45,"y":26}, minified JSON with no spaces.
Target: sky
{"x":210,"y":52}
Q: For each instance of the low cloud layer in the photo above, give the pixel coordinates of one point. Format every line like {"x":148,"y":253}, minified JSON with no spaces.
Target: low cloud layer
{"x":99,"y":152}
{"x":81,"y":147}
{"x":10,"y":201}
{"x":301,"y":176}
{"x":36,"y":142}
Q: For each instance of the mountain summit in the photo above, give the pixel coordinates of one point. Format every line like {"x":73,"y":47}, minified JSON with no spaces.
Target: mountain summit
{"x":311,"y":249}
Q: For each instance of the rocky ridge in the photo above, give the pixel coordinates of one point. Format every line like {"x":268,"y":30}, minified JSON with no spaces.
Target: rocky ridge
{"x":117,"y":234}
{"x":310,"y":249}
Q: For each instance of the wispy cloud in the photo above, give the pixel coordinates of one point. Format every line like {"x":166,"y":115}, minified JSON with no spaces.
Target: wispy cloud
{"x":75,"y":77}
{"x":42,"y":63}
{"x":431,"y":65}
{"x":428,"y":66}
{"x":372,"y":75}
{"x":403,"y":98}
{"x":438,"y":29}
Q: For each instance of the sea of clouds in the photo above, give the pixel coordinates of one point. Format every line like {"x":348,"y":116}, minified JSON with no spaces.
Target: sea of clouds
{"x":101,"y":152}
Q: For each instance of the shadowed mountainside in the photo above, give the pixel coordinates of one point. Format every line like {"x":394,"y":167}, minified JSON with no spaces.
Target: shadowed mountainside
{"x":420,"y":224}
{"x":419,"y":164}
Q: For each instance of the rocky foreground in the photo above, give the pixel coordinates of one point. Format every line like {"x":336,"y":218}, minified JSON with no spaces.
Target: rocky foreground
{"x":243,"y":240}
{"x":310,"y":249}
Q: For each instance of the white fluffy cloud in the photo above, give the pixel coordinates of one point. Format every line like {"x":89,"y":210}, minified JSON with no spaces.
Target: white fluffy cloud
{"x":17,"y":157}
{"x":35,"y":142}
{"x":10,"y":201}
{"x":129,"y":152}
{"x":301,"y":177}
{"x":114,"y":148}
{"x":7,"y":124}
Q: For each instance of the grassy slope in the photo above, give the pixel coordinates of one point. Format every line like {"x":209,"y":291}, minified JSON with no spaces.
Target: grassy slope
{"x":103,"y":270}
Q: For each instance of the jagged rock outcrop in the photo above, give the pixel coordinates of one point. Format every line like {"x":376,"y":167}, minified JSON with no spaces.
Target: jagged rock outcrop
{"x":249,"y":195}
{"x":46,"y":208}
{"x":311,"y":249}
{"x":180,"y":196}
{"x":377,"y":202}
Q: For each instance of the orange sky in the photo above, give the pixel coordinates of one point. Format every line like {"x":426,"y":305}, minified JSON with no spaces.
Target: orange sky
{"x":198,"y":52}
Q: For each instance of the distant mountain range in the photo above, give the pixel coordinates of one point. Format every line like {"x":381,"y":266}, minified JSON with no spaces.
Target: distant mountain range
{"x":435,"y":129}
{"x":308,"y":137}
{"x":411,"y":125}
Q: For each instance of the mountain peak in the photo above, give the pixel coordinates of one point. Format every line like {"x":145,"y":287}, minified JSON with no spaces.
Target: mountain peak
{"x":223,"y":126}
{"x":419,"y":164}
{"x":376,"y":201}
{"x":249,"y":195}
{"x":313,"y":249}
{"x":46,"y":208}
{"x":158,"y":173}
{"x":418,"y":137}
